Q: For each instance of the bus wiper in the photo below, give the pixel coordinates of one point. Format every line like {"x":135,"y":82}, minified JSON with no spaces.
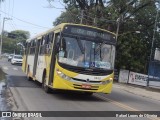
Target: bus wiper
{"x":99,"y":47}
{"x":80,"y":45}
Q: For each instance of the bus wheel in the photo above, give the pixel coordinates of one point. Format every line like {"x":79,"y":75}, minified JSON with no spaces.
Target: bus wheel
{"x":44,"y":86}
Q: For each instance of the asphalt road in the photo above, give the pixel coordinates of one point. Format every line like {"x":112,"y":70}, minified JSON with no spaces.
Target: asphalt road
{"x":29,"y":96}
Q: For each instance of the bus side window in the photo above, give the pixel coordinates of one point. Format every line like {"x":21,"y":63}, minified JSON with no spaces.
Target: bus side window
{"x":47,"y":44}
{"x":42,"y":47}
{"x":25,"y":49}
{"x":50,"y":41}
{"x":51,"y":36}
{"x":28,"y":47}
{"x":31,"y":46}
{"x":34,"y":46}
{"x":57,"y":41}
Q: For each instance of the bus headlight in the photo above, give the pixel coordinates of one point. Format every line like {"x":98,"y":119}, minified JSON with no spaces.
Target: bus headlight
{"x":62,"y":75}
{"x":107,"y":81}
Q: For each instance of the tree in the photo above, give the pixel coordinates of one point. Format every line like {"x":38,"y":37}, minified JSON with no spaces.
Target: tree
{"x":10,"y":41}
{"x":133,"y":48}
{"x":9,"y":45}
{"x":70,"y":16}
{"x":19,"y":35}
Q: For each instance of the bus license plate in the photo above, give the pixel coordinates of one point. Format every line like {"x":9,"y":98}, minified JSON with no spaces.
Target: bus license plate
{"x":86,"y":86}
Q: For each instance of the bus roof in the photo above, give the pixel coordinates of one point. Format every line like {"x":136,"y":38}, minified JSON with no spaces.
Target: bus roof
{"x":62,"y":26}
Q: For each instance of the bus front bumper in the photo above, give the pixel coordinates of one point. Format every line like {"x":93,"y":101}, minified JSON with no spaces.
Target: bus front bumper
{"x":60,"y":83}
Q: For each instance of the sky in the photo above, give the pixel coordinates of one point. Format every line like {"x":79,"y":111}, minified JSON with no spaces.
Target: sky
{"x":29,"y":15}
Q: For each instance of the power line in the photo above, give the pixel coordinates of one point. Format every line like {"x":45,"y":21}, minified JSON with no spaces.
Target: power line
{"x":17,"y":25}
{"x":98,"y":18}
{"x":9,"y":6}
{"x":91,"y":17}
{"x":12,"y":22}
{"x":83,"y":14}
{"x":12,"y":8}
{"x":12,"y":15}
{"x":25,"y":21}
{"x":51,"y":6}
{"x":62,"y":3}
{"x":11,"y":26}
{"x":78,"y":15}
{"x":5,"y":7}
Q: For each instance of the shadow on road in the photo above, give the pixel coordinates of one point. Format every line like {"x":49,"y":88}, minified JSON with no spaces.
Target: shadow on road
{"x":22,"y":81}
{"x":75,"y":96}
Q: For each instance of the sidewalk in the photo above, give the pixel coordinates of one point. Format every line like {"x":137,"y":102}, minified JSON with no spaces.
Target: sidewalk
{"x":139,"y":90}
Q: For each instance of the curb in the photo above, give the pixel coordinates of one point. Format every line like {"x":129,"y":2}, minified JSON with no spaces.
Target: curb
{"x":134,"y":89}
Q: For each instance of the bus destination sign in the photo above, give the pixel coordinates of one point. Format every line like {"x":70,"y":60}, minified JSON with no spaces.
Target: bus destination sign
{"x":89,"y":32}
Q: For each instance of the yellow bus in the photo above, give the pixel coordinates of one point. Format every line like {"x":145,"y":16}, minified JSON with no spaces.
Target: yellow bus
{"x":71,"y":57}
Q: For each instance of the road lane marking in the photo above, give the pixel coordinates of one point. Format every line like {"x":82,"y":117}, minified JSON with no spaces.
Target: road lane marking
{"x":116,"y":103}
{"x":122,"y":105}
{"x":15,"y":68}
{"x":5,"y":68}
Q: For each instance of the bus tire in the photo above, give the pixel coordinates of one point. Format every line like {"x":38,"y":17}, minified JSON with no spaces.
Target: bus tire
{"x":44,"y":86}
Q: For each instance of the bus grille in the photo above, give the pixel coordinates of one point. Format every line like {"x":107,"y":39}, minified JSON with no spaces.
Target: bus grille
{"x":91,"y":81}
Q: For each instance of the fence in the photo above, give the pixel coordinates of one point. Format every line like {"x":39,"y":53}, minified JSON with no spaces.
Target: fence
{"x":126,"y":76}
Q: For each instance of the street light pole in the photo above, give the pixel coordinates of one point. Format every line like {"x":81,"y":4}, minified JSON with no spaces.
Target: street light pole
{"x":117,"y":31}
{"x":2,"y":34}
{"x":82,"y":15}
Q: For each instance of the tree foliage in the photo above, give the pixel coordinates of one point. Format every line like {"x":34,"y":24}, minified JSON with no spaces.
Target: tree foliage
{"x":10,"y":40}
{"x":136,"y":20}
{"x":70,"y":16}
{"x":19,"y":35}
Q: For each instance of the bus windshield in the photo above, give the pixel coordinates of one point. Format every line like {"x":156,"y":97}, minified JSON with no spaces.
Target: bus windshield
{"x":86,"y":54}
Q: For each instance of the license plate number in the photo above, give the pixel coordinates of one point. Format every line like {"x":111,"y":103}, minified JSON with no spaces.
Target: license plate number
{"x":86,"y":86}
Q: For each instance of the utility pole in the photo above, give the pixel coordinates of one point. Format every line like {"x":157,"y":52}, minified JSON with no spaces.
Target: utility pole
{"x":117,"y":31}
{"x":2,"y":34}
{"x":95,"y":21}
{"x":0,"y":29}
{"x":82,"y":15}
{"x":95,"y":17}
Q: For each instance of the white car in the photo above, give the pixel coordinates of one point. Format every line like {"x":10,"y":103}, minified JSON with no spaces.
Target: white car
{"x":17,"y":59}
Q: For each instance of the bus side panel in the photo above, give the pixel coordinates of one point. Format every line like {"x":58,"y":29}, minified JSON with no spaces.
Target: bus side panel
{"x":41,"y":65}
{"x":30,"y":62}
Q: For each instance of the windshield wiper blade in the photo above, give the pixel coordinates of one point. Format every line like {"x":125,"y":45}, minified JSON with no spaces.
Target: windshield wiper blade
{"x":80,"y":45}
{"x":99,"y":47}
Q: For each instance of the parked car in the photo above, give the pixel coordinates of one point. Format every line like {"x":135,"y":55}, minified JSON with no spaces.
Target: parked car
{"x":17,"y":59}
{"x":10,"y":57}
